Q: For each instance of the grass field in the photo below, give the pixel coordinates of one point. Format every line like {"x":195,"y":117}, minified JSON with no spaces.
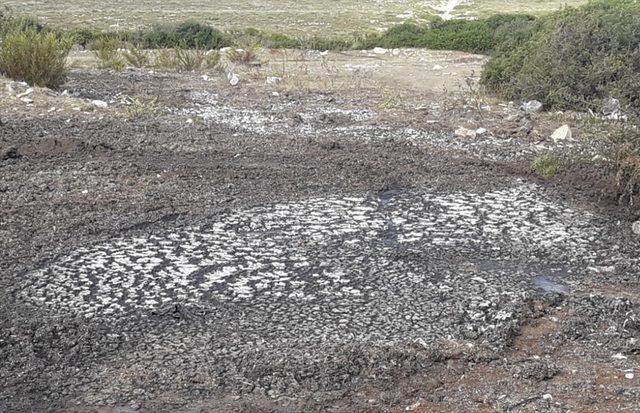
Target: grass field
{"x":287,"y":16}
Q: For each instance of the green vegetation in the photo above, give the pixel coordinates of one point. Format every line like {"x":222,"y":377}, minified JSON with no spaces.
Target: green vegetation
{"x":623,"y":150}
{"x":295,"y":18}
{"x":188,"y":35}
{"x":34,"y":56}
{"x":546,"y":165}
{"x":573,"y":59}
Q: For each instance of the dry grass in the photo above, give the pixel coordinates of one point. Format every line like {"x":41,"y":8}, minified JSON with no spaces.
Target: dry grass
{"x":35,"y":57}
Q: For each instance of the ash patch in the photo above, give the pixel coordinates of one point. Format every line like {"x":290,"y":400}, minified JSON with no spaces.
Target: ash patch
{"x":382,"y":268}
{"x":318,"y":119}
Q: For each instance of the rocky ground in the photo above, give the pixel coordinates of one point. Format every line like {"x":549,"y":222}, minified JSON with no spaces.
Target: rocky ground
{"x":336,"y":238}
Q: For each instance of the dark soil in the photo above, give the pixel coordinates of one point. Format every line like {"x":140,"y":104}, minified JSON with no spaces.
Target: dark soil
{"x":70,"y":183}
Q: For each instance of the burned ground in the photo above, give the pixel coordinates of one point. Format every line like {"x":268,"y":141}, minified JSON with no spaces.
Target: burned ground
{"x":301,"y":251}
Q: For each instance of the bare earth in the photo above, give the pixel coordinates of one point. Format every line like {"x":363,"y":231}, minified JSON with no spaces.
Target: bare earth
{"x":321,"y":242}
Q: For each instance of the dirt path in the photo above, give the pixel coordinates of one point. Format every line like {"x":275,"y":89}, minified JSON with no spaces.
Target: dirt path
{"x":271,"y":248}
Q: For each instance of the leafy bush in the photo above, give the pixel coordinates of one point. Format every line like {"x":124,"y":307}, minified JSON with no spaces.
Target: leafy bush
{"x":35,"y":57}
{"x":476,"y":36}
{"x":573,"y":59}
{"x":189,"y":35}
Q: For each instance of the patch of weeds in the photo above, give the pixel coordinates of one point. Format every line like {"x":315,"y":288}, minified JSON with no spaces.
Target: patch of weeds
{"x":36,"y":57}
{"x":187,"y":60}
{"x":136,"y":56}
{"x":390,"y":100}
{"x":242,"y":56}
{"x":624,"y":153}
{"x":106,"y":50}
{"x":139,"y":109}
{"x":547,"y":165}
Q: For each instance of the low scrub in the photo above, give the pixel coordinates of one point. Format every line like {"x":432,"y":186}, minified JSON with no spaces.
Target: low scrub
{"x":34,"y":56}
{"x":187,"y":60}
{"x":187,"y":35}
{"x":624,"y":154}
{"x":574,"y":59}
{"x":477,"y":36}
{"x":546,"y":165}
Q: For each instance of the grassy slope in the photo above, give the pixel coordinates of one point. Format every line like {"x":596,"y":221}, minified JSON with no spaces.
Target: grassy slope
{"x":287,"y":16}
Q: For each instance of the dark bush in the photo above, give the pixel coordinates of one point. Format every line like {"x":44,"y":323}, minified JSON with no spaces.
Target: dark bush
{"x":478,"y":36}
{"x":189,"y":35}
{"x":573,"y":59}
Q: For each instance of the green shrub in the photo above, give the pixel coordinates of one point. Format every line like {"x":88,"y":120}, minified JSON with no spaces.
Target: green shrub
{"x":35,"y":57}
{"x":573,"y":59}
{"x":10,"y":24}
{"x":546,"y":165}
{"x":473,"y":36}
{"x":189,"y":35}
{"x":623,"y":150}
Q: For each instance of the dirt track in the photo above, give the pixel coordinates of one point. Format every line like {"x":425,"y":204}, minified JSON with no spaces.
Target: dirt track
{"x":301,"y":251}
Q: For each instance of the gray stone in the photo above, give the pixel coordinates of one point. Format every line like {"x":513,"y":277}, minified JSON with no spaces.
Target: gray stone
{"x":635,"y":227}
{"x":561,"y":134}
{"x":611,"y":107}
{"x":99,"y":103}
{"x":531,"y":106}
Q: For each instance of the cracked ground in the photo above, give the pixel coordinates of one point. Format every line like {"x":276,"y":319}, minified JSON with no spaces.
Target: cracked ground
{"x":299,"y":251}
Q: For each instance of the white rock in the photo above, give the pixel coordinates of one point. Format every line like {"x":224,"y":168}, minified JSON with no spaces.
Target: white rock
{"x":324,"y":53}
{"x":233,"y":79}
{"x":25,"y":93}
{"x":635,"y":227}
{"x":205,"y":78}
{"x":481,"y":131}
{"x":395,"y":52}
{"x":531,"y":106}
{"x":561,"y":134}
{"x":379,"y":50}
{"x":225,"y":49}
{"x":619,"y":356}
{"x":99,"y":103}
{"x":27,"y":100}
{"x":629,"y":376}
{"x":437,"y":67}
{"x":464,"y":132}
{"x":611,"y":108}
{"x":273,"y":80}
{"x":547,"y":396}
